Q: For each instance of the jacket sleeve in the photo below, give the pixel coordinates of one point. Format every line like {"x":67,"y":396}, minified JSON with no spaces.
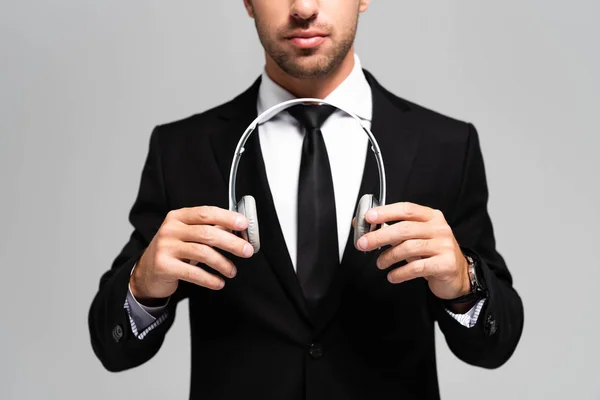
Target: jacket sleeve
{"x":493,"y":339}
{"x":111,"y":335}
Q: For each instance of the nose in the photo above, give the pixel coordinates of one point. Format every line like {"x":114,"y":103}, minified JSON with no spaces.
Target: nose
{"x":305,"y":9}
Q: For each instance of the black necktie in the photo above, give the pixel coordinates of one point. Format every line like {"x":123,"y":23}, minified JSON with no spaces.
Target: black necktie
{"x":318,"y":255}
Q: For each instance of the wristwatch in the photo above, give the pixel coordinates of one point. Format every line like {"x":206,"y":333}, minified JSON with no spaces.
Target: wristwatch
{"x":478,"y":289}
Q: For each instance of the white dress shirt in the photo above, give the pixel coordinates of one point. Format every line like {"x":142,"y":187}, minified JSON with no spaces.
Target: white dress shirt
{"x":280,"y":140}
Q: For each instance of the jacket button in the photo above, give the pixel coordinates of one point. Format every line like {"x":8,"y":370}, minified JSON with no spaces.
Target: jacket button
{"x":491,"y":326}
{"x":117,"y":333}
{"x":315,"y":350}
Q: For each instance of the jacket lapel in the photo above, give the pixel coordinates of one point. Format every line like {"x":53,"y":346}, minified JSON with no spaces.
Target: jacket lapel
{"x":252,"y":179}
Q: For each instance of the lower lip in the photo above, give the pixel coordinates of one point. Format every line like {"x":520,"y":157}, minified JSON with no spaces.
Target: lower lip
{"x":307,"y":43}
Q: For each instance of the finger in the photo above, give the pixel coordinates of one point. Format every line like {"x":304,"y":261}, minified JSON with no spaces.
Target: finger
{"x":395,"y":234}
{"x":222,"y":228}
{"x":403,"y":211}
{"x":197,"y":276}
{"x":207,"y":255}
{"x":210,"y":215}
{"x":420,"y":268}
{"x":215,"y":237}
{"x":408,"y":250}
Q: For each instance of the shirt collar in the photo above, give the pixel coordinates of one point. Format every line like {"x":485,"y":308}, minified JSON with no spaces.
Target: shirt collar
{"x":353,"y":94}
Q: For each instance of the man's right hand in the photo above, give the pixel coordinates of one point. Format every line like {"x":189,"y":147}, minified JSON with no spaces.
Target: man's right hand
{"x":189,"y":234}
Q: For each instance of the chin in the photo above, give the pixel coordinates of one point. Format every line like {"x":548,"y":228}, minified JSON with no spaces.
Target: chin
{"x":312,"y":66}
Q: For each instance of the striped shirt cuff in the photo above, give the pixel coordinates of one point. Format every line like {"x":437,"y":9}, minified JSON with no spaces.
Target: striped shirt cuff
{"x":469,"y":319}
{"x":145,"y":321}
{"x":149,"y":328}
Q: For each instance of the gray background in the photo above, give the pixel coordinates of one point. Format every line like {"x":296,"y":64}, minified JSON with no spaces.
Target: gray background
{"x":83,"y":83}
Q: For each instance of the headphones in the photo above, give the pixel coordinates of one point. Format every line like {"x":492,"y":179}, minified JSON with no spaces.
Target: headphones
{"x":247,"y":205}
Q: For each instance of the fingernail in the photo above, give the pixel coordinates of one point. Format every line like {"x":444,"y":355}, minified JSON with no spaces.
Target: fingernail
{"x":371,"y":215}
{"x":248,"y":250}
{"x":221,"y":284}
{"x":362,"y":243}
{"x":378,"y":263}
{"x":240,"y":223}
{"x":233,"y":272}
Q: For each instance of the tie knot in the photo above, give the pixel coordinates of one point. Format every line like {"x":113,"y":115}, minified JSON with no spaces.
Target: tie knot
{"x":311,"y":116}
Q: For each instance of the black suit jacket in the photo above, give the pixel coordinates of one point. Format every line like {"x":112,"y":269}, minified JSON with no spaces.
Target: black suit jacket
{"x":370,"y":339}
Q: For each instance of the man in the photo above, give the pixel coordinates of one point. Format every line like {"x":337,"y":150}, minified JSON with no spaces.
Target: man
{"x":311,"y":314}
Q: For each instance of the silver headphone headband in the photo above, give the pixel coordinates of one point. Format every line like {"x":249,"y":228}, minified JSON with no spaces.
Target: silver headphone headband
{"x":276,"y":109}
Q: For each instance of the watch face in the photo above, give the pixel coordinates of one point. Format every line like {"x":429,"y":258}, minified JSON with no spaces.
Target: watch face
{"x":478,"y":280}
{"x":475,"y":276}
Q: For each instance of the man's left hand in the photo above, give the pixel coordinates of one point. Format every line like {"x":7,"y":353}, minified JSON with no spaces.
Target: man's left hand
{"x":425,"y":240}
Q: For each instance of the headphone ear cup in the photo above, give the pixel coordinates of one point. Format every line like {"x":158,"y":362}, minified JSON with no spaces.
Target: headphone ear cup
{"x":362,"y":227}
{"x":247,"y":207}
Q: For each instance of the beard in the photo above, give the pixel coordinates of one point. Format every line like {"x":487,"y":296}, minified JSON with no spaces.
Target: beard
{"x":306,"y":63}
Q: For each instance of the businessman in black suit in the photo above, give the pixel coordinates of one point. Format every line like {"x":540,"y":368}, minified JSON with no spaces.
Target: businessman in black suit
{"x":312,"y":314}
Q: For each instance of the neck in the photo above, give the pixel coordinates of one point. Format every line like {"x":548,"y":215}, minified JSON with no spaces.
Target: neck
{"x":317,"y":88}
